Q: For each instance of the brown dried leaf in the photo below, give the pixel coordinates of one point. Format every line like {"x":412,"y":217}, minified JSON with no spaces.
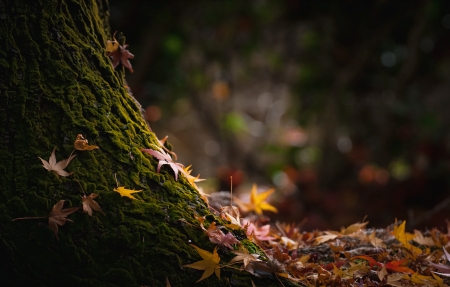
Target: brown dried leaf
{"x":244,"y":256}
{"x":82,"y":144}
{"x":57,"y":167}
{"x":90,"y":204}
{"x":58,"y":216}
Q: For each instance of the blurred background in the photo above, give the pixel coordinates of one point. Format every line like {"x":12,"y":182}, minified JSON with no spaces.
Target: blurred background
{"x":342,"y":106}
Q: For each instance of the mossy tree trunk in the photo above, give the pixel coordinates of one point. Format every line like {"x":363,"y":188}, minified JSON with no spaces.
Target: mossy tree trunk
{"x":55,"y":83}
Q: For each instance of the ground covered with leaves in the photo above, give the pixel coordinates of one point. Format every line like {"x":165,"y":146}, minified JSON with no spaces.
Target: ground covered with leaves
{"x":354,"y":256}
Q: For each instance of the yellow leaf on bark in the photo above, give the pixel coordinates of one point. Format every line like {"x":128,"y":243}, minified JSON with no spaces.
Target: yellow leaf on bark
{"x":210,"y":263}
{"x":126,"y":192}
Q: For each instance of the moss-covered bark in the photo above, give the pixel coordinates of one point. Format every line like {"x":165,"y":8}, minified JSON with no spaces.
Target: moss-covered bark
{"x":55,"y":83}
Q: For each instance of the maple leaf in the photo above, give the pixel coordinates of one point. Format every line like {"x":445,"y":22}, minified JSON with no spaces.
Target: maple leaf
{"x":244,"y":256}
{"x":164,"y":158}
{"x":192,"y":179}
{"x":90,"y":204}
{"x":257,"y":202}
{"x":58,"y":216}
{"x":405,"y":237}
{"x":119,"y":54}
{"x":235,"y":222}
{"x":218,"y":237}
{"x":376,"y":242}
{"x":422,"y":240}
{"x":395,"y":266}
{"x":324,"y":238}
{"x":126,"y":192}
{"x":57,"y":167}
{"x":353,"y":228}
{"x":82,"y":144}
{"x":210,"y":263}
{"x":112,"y":45}
{"x":260,"y":233}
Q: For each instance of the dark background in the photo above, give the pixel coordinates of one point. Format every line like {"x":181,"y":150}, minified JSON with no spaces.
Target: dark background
{"x":343,"y":106}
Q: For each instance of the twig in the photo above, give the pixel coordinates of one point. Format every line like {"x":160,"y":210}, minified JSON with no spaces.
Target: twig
{"x":36,"y":217}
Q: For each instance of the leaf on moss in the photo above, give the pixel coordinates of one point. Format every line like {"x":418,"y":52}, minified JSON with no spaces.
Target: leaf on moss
{"x":244,"y":256}
{"x":112,"y":45}
{"x":58,"y":216}
{"x":164,"y":158}
{"x":82,"y":144}
{"x":57,"y":167}
{"x":210,"y":263}
{"x":218,"y":237}
{"x":119,"y":54}
{"x":90,"y":204}
{"x":126,"y":192}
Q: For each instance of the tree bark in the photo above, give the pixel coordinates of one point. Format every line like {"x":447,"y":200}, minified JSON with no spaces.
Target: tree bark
{"x":56,"y":82}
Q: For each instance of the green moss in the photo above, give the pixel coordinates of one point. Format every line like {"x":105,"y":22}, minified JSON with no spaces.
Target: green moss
{"x":55,"y":83}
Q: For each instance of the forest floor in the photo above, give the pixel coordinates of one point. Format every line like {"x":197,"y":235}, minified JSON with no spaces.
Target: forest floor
{"x":353,"y":256}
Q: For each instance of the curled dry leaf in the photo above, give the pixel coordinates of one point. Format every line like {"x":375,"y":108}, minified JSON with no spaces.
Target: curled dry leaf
{"x":90,"y":204}
{"x":58,"y":216}
{"x":112,"y":45}
{"x":57,"y":167}
{"x":82,"y":144}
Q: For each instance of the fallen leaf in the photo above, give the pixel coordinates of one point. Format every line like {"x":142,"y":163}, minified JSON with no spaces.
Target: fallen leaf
{"x":119,"y":54}
{"x":382,"y":273}
{"x":243,"y":255}
{"x":257,"y":202}
{"x":235,"y":221}
{"x":126,"y":192}
{"x":82,"y":144}
{"x":58,"y":216}
{"x":444,"y":269}
{"x":325,"y":238}
{"x":57,"y":167}
{"x":376,"y":242}
{"x":90,"y":204}
{"x":165,"y":158}
{"x":405,"y":237}
{"x":395,"y":279}
{"x":112,"y":45}
{"x":353,"y":228}
{"x":395,"y":266}
{"x":218,"y":237}
{"x":422,"y":240}
{"x":210,"y":263}
{"x":372,"y":262}
{"x":260,"y":233}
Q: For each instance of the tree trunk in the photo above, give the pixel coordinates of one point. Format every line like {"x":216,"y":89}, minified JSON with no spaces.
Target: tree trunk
{"x":55,"y":83}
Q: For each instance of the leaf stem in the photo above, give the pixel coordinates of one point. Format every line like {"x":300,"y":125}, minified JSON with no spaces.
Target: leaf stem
{"x":37,"y":217}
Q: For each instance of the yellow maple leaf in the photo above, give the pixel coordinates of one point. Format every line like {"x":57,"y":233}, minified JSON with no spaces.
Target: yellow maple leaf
{"x":126,"y":192}
{"x":405,"y":237}
{"x":210,"y":263}
{"x":257,"y":202}
{"x":243,"y":255}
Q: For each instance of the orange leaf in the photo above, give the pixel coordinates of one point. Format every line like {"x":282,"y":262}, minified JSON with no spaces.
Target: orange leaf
{"x":395,"y":266}
{"x":82,"y":144}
